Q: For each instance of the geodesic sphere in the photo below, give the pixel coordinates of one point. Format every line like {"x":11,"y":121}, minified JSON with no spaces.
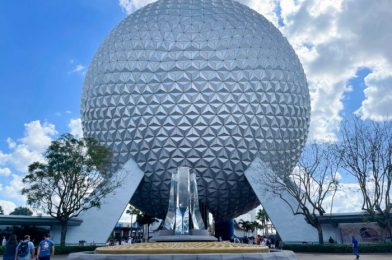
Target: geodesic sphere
{"x":208,"y":84}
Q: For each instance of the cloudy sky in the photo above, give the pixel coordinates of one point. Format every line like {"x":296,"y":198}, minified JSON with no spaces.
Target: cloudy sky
{"x":46,"y":46}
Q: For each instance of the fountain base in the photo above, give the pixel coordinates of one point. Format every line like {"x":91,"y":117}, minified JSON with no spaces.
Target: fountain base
{"x":182,"y":251}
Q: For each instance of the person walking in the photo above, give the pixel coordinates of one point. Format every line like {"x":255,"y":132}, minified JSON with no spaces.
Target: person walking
{"x":45,"y":248}
{"x":355,"y":247}
{"x":10,"y":248}
{"x":25,"y":249}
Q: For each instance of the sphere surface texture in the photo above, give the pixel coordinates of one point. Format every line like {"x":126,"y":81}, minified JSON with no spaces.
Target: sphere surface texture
{"x":208,"y":84}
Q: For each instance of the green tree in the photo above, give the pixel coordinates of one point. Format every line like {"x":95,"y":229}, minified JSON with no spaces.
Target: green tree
{"x":133,"y":211}
{"x":262,"y":216}
{"x":22,"y":211}
{"x":256,"y":225}
{"x":246,"y":226}
{"x":74,"y":177}
{"x":1,"y":210}
{"x":145,"y":219}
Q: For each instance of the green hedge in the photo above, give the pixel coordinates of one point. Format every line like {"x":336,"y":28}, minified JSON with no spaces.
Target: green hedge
{"x":64,"y":250}
{"x":339,"y":248}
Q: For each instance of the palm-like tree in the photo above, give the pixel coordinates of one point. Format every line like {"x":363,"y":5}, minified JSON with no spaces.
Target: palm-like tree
{"x":246,"y":226}
{"x":256,"y":225}
{"x":145,"y":219}
{"x":262,"y":216}
{"x":132,"y":211}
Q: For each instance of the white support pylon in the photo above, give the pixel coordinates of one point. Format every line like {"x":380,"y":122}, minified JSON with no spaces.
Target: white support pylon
{"x":291,"y":228}
{"x":98,"y":223}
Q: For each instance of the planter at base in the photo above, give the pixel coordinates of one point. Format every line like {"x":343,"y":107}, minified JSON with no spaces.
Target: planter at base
{"x":281,"y":255}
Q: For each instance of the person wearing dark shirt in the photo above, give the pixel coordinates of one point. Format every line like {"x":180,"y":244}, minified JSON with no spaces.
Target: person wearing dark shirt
{"x":10,"y":248}
{"x":355,"y":247}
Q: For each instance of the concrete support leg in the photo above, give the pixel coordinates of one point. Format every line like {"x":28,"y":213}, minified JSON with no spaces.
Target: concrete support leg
{"x":224,"y":229}
{"x":291,"y":228}
{"x":98,"y":223}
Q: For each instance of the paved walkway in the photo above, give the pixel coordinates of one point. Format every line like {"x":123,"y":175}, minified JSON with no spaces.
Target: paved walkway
{"x":342,"y":256}
{"x":314,"y":257}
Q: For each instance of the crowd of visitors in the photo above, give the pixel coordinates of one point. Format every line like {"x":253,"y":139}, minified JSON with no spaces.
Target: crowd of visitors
{"x":125,"y":240}
{"x":25,"y":249}
{"x":270,"y":241}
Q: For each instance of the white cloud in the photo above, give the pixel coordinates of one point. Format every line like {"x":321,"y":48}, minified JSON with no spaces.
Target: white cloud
{"x":4,"y":157}
{"x":23,"y":156}
{"x":38,"y":136}
{"x":76,"y":68}
{"x":28,"y":149}
{"x":66,"y":112}
{"x":333,"y":39}
{"x":129,"y":6}
{"x":348,"y":198}
{"x":75,"y":127}
{"x":11,"y":143}
{"x":14,"y":188}
{"x":8,"y":206}
{"x":378,"y":97}
{"x":266,"y":8}
{"x":5,"y":172}
{"x":24,"y":151}
{"x":79,"y":68}
{"x":11,"y":193}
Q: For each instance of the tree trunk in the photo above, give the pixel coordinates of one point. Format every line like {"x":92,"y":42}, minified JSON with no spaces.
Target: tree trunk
{"x":266,"y":225}
{"x":389,"y":229}
{"x":131,"y":225}
{"x":320,"y":234}
{"x":64,"y":227}
{"x":148,"y":232}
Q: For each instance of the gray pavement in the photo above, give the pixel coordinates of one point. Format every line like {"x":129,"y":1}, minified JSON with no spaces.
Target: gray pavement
{"x":311,"y":256}
{"x":59,"y":257}
{"x":315,"y":257}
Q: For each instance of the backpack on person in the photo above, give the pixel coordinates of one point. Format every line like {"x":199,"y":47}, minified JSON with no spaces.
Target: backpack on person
{"x":23,"y":249}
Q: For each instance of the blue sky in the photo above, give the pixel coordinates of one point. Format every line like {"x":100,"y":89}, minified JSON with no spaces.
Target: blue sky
{"x":46,"y":46}
{"x":41,"y":46}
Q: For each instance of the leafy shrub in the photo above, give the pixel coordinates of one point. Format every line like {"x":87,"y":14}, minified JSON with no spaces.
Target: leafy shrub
{"x":339,"y":248}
